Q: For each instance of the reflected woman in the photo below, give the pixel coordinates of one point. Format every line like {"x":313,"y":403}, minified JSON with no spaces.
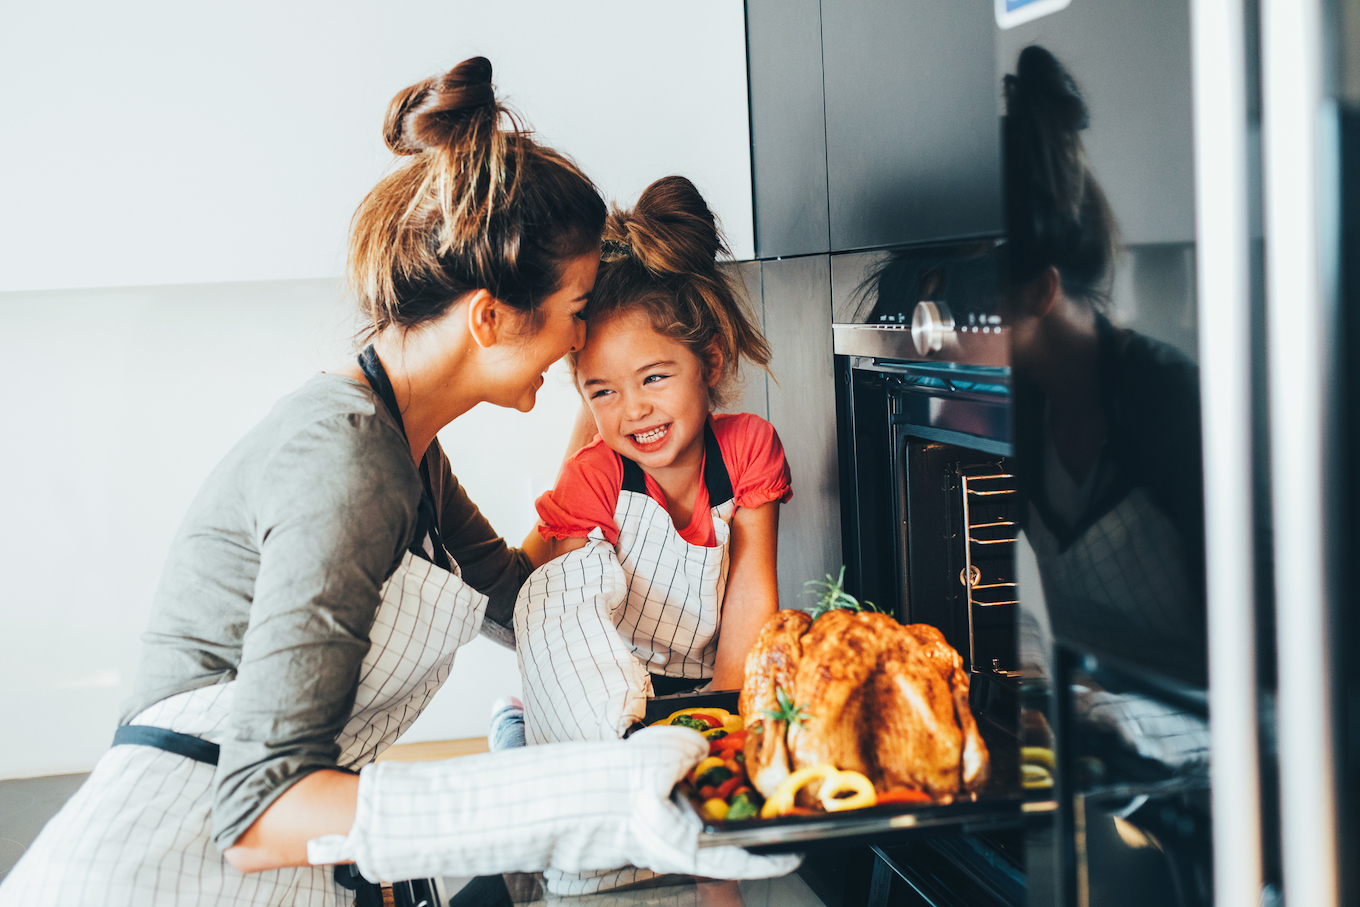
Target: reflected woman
{"x":1107,"y":420}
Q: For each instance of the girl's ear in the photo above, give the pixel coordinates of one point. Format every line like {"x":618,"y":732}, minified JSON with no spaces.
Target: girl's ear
{"x":486,"y":318}
{"x":713,"y":366}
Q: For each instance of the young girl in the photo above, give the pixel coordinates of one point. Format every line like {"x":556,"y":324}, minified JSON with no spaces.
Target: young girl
{"x":681,"y":502}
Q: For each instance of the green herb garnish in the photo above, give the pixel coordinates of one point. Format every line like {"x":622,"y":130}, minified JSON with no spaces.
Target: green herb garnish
{"x":831,"y":596}
{"x":788,"y":710}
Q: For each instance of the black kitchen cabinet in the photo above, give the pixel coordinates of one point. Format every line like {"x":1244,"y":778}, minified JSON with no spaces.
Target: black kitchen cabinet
{"x":797,"y":294}
{"x":788,"y":127}
{"x":913,"y":138}
{"x":1131,"y":60}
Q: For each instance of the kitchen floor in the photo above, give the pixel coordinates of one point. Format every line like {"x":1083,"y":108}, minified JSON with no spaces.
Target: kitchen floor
{"x":25,"y":806}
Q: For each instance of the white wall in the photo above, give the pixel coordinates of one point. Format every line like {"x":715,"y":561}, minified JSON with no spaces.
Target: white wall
{"x":164,"y":142}
{"x":172,"y":273}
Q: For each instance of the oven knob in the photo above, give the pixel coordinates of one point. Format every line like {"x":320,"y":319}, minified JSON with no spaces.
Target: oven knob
{"x":929,"y":324}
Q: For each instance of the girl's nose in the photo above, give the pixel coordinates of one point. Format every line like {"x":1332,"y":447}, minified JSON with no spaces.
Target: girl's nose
{"x":636,"y":406}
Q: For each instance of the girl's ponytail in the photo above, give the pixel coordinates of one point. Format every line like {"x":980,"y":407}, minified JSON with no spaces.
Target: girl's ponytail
{"x":478,"y":204}
{"x":662,"y":257}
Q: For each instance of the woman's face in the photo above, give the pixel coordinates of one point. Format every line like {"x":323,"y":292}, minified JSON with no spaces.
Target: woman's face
{"x":560,"y":331}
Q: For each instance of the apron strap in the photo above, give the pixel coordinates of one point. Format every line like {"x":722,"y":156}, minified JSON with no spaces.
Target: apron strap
{"x":427,"y":516}
{"x":716,"y":478}
{"x":195,"y":748}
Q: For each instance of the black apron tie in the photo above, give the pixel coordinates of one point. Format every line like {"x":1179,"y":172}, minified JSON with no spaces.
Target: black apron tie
{"x":427,"y":519}
{"x":194,"y":748}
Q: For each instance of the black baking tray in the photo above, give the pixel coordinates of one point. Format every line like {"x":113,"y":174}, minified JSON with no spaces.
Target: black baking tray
{"x":1003,"y":803}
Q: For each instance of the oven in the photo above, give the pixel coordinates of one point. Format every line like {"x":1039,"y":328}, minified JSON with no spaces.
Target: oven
{"x":929,"y":522}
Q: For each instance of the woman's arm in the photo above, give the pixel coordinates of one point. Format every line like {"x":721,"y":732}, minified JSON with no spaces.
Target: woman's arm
{"x":323,"y":803}
{"x":752,"y":590}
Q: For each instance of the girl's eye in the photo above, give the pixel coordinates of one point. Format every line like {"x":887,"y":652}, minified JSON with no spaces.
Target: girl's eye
{"x":651,"y":378}
{"x":600,"y":393}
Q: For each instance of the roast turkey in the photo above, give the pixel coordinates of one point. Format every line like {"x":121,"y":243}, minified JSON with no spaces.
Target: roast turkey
{"x":864,"y":693}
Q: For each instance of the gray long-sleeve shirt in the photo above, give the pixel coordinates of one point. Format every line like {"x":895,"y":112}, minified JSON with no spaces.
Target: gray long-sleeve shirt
{"x":273,"y":580}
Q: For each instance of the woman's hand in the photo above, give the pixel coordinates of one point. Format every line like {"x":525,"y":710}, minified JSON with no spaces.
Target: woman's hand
{"x":569,"y":806}
{"x":752,"y":594}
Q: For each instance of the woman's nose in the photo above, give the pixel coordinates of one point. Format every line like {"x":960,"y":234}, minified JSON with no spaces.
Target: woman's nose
{"x":578,"y":342}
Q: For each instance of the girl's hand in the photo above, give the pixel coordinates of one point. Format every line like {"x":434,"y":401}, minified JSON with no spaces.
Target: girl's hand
{"x":752,"y":594}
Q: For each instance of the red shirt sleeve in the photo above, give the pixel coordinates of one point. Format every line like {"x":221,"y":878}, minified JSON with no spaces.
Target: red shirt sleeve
{"x":754,"y":459}
{"x":585,"y":497}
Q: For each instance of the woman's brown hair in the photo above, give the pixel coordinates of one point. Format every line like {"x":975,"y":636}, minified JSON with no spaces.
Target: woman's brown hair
{"x":478,"y":205}
{"x":1057,"y":214}
{"x":661,"y":258}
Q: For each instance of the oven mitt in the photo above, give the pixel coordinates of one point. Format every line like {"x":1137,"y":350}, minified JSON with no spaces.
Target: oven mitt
{"x":570,"y":806}
{"x":581,"y":681}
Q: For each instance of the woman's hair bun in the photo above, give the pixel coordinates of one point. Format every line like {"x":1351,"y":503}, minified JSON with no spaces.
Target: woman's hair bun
{"x":435,"y":112}
{"x":670,"y":230}
{"x":1044,"y":85}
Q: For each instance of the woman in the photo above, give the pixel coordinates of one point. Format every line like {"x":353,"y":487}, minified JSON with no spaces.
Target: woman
{"x":314,"y":597}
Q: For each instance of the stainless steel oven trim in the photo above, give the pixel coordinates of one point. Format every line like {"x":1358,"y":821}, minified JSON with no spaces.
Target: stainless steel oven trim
{"x":987,"y":346}
{"x":1219,"y":72}
{"x":1299,"y":147}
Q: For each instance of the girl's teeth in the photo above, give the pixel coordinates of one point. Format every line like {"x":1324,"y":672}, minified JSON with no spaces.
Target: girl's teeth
{"x":648,"y":437}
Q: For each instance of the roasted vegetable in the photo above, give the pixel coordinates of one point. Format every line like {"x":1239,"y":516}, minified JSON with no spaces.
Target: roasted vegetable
{"x":859,"y":788}
{"x":743,"y":807}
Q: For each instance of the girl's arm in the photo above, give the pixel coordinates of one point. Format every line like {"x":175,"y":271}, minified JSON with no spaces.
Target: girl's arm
{"x":752,"y":590}
{"x":538,"y":549}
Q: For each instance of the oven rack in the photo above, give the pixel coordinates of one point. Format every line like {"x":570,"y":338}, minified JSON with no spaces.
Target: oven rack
{"x":978,"y":490}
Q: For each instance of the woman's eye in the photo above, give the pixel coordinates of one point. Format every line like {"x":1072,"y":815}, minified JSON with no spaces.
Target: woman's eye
{"x":579,"y":314}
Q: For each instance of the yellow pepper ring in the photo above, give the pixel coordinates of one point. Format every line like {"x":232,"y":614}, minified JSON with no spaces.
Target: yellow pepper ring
{"x":861,"y":792}
{"x":781,"y":801}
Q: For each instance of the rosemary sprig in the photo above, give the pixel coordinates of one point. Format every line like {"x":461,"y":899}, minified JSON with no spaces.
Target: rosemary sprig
{"x":788,"y":711}
{"x":831,"y":596}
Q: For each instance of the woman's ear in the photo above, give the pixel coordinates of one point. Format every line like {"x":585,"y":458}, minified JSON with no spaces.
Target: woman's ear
{"x":1040,"y":295}
{"x":486,"y":319}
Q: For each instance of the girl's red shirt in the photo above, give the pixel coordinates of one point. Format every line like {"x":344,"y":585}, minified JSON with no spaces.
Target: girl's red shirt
{"x":588,"y":486}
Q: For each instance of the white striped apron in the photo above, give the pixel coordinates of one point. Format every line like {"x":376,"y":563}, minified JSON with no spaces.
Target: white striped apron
{"x":138,"y":832}
{"x":672,"y":612}
{"x":594,"y":625}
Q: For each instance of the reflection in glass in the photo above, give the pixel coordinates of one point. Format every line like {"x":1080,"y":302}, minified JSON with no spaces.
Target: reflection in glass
{"x":1107,"y":418}
{"x":1110,"y":563}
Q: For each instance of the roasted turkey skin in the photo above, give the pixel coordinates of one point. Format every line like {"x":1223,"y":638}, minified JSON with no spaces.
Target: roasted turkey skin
{"x":880,"y":698}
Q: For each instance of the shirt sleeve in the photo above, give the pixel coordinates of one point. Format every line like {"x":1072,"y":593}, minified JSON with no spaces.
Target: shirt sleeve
{"x":335,"y":509}
{"x":487,"y":562}
{"x":585,"y":497}
{"x":754,"y":458}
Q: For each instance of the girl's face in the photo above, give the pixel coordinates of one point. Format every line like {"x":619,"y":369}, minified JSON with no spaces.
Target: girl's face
{"x":561,"y":331}
{"x":647,"y":391}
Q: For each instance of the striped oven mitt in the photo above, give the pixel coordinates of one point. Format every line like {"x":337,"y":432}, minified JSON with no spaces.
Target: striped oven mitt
{"x":581,"y":682}
{"x":568,"y":806}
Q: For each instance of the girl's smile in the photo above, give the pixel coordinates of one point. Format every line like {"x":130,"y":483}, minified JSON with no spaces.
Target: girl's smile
{"x":648,"y":393}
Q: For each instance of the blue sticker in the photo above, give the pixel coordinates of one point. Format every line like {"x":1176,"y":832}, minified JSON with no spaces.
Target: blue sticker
{"x":1010,"y":13}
